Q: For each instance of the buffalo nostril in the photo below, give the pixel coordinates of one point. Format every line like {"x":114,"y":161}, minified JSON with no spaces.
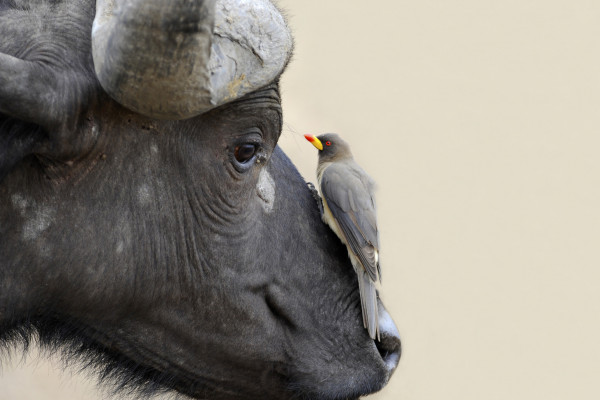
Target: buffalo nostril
{"x":389,"y":346}
{"x":390,"y":350}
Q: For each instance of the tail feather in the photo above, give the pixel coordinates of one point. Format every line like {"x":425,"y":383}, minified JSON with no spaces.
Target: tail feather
{"x":368,"y":300}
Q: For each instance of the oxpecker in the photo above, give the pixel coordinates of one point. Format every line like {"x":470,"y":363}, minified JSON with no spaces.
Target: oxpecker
{"x":348,"y":207}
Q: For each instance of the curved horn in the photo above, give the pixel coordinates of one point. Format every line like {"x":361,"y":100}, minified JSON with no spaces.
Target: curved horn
{"x":174,"y":59}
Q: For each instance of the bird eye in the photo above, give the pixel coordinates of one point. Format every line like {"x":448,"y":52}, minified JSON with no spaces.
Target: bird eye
{"x":328,"y":143}
{"x":244,"y":153}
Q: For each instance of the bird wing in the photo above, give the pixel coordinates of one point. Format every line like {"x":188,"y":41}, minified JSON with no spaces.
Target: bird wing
{"x":348,"y":191}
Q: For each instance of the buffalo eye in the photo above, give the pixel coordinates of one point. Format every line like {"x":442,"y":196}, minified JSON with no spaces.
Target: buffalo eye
{"x":244,"y":153}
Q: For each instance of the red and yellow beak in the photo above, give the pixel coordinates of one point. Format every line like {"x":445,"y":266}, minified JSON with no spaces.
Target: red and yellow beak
{"x":315,"y":142}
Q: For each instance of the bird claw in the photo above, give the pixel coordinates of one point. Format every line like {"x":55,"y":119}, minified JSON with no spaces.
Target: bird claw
{"x":315,"y":195}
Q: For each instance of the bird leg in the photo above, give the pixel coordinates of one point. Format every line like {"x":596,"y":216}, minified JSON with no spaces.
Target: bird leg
{"x":315,"y":195}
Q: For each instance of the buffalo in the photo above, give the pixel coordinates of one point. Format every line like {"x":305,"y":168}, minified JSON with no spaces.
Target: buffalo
{"x":149,"y":224}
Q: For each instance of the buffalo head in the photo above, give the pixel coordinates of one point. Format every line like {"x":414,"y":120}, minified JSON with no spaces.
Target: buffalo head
{"x":148,"y":220}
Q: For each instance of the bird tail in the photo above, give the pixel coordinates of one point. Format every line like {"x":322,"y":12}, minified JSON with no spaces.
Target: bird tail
{"x":368,"y":300}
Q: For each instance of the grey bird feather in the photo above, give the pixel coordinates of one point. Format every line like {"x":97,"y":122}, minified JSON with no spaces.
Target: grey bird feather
{"x":349,"y":210}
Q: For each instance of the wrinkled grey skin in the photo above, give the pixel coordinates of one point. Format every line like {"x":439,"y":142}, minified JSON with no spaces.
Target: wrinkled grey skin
{"x":143,"y":245}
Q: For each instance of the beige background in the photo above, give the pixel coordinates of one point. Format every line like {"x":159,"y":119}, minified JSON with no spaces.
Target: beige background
{"x":479,"y":120}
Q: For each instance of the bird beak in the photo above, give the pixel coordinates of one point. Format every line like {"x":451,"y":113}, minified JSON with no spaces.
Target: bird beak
{"x":315,"y":142}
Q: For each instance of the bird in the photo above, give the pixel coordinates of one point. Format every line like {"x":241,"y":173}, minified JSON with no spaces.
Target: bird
{"x":348,"y":208}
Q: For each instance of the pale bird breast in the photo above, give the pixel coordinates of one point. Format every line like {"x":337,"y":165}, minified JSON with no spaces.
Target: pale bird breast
{"x":320,"y":169}
{"x":329,"y":220}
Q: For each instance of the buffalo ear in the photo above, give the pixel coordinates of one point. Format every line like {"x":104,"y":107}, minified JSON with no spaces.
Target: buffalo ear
{"x":17,"y":141}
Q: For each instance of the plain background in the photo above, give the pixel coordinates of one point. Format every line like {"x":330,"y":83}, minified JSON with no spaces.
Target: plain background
{"x":480,"y":122}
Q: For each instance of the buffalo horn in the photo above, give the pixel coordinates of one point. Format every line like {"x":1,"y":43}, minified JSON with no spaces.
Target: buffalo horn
{"x":175,"y":59}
